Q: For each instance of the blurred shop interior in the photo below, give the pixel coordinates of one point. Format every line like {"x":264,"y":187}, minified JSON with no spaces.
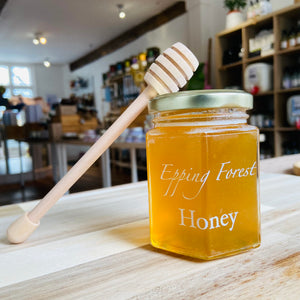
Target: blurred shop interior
{"x":68,"y":69}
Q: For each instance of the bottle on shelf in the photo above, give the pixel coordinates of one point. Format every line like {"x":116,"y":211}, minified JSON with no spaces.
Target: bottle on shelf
{"x":112,"y":71}
{"x":262,"y":120}
{"x":138,"y":67}
{"x":136,"y":73}
{"x":134,"y":64}
{"x":150,"y":57}
{"x":286,"y":79}
{"x":250,"y":11}
{"x":130,"y":90}
{"x":142,"y":61}
{"x":257,"y":8}
{"x":284,"y":42}
{"x":265,"y":147}
{"x":298,"y":33}
{"x":294,"y":78}
{"x":152,"y":53}
{"x":105,"y":79}
{"x":120,"y":68}
{"x":127,"y":66}
{"x":292,"y":37}
{"x":291,"y":77}
{"x":264,"y":7}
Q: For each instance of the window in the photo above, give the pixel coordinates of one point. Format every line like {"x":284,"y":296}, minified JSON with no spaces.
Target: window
{"x":17,"y":81}
{"x":4,"y":75}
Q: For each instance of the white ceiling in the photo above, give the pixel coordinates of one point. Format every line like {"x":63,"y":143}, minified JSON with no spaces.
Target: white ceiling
{"x":73,"y":27}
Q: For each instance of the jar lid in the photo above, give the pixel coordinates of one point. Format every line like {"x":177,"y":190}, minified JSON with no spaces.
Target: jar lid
{"x":201,"y":99}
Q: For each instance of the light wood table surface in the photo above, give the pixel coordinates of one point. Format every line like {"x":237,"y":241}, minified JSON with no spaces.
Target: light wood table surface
{"x":282,"y":164}
{"x":95,"y":245}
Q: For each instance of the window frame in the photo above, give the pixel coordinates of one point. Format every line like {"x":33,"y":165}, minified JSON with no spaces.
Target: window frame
{"x":11,"y":87}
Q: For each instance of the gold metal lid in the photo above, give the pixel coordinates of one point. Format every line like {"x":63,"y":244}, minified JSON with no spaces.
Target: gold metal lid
{"x":201,"y":99}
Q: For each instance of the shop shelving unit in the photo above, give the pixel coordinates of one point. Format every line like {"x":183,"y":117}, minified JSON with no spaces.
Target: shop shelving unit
{"x":272,"y":102}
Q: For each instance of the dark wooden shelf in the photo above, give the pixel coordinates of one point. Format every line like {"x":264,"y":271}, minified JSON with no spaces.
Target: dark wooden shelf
{"x":287,"y":129}
{"x":274,"y":101}
{"x":268,"y":93}
{"x":286,"y":91}
{"x":260,"y":58}
{"x":290,"y":50}
{"x":232,"y":65}
{"x":230,"y":31}
{"x":266,"y":129}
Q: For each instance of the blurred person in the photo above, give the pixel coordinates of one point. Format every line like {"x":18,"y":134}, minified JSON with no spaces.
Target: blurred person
{"x":3,"y":101}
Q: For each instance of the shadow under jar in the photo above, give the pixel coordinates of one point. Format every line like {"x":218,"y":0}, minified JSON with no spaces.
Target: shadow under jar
{"x":202,"y":161}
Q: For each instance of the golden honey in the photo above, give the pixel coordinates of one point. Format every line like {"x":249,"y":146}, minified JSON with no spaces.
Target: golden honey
{"x":202,"y":161}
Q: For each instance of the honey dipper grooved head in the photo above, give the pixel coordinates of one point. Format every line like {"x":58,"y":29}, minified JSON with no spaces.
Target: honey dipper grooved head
{"x":172,"y":69}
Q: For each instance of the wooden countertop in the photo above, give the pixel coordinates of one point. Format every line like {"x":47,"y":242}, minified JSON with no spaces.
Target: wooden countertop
{"x":95,"y":245}
{"x":282,"y":164}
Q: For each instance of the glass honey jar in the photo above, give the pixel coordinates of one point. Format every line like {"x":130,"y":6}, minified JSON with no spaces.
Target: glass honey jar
{"x":202,"y":162}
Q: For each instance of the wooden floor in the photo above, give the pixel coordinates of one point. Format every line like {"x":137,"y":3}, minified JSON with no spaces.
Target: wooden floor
{"x":92,"y":179}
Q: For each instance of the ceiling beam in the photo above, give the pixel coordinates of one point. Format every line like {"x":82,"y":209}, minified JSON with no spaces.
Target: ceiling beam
{"x":130,"y":35}
{"x":2,"y":4}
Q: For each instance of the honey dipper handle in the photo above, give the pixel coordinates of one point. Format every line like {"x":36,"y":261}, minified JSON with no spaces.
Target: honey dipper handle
{"x":82,"y":165}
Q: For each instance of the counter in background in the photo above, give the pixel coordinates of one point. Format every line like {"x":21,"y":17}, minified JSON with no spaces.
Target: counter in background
{"x":61,"y":165}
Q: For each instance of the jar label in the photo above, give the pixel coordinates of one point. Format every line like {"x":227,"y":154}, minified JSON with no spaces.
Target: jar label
{"x":188,"y":184}
{"x":176,"y":177}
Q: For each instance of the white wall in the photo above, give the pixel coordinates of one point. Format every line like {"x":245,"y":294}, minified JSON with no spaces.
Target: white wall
{"x":162,"y":37}
{"x":49,"y":81}
{"x":278,"y":4}
{"x":205,"y":19}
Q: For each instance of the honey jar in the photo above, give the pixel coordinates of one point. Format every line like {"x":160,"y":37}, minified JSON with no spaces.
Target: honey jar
{"x":202,"y":163}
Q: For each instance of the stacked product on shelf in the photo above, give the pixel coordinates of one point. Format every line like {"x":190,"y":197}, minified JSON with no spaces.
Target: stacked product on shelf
{"x":123,"y":83}
{"x":262,"y":44}
{"x":71,"y":121}
{"x":82,"y":94}
{"x":290,"y":37}
{"x":124,"y":80}
{"x":232,"y":54}
{"x":291,"y":77}
{"x":262,"y":120}
{"x":258,"y":8}
{"x":266,"y":150}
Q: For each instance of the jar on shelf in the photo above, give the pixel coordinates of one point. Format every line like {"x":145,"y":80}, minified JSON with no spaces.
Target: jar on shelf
{"x":292,"y":37}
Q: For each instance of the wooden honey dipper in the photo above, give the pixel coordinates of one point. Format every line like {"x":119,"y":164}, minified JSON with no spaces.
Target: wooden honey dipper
{"x":170,"y":71}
